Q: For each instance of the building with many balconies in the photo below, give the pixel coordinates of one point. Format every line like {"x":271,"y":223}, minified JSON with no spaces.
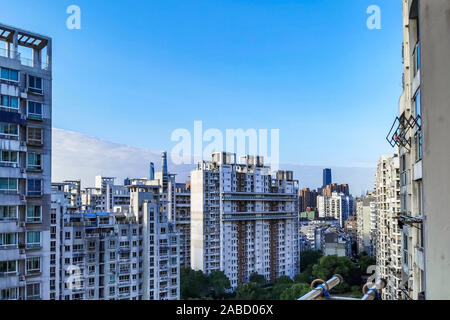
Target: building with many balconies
{"x":244,"y":219}
{"x":25,"y":163}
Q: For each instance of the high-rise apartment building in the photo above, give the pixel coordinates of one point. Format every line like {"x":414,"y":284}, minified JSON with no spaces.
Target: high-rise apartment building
{"x":337,"y":206}
{"x":105,"y":196}
{"x":389,"y":236}
{"x":244,"y":219}
{"x":366,"y":220}
{"x":129,"y":254}
{"x":421,"y":134}
{"x":307,"y":199}
{"x":334,"y":187}
{"x":25,"y":163}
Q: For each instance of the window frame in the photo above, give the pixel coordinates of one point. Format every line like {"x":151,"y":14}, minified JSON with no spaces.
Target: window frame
{"x":39,"y":220}
{"x":33,"y":245}
{"x":34,"y":193}
{"x":33,"y":115}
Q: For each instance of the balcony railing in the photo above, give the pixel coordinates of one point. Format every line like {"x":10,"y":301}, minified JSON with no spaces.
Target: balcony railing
{"x":15,"y":55}
{"x":322,"y":291}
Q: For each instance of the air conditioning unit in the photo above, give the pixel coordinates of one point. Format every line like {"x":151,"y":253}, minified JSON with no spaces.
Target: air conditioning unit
{"x":21,"y":224}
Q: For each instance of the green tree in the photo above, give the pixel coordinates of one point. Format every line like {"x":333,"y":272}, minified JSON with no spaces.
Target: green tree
{"x":331,"y":265}
{"x":304,"y":277}
{"x":258,"y":279}
{"x":281,"y":284}
{"x":365,"y":261}
{"x":250,"y":291}
{"x":193,"y":284}
{"x":295,"y":291}
{"x":219,"y":283}
{"x":309,"y":258}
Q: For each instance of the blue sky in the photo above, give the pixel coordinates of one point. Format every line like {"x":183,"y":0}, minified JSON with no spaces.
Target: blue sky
{"x":137,"y":70}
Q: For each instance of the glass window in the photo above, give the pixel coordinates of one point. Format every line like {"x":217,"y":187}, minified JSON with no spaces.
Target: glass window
{"x":34,"y":187}
{"x":9,"y":74}
{"x":5,"y":73}
{"x":33,"y":239}
{"x":35,"y":135}
{"x":9,"y":156}
{"x":8,"y":239}
{"x":10,"y":102}
{"x":35,"y":110}
{"x":8,"y":212}
{"x":33,"y":291}
{"x":34,"y":161}
{"x":8,"y":294}
{"x":8,"y":267}
{"x":33,"y":265}
{"x":35,"y":84}
{"x":8,"y":184}
{"x":34,"y":214}
{"x":9,"y":129}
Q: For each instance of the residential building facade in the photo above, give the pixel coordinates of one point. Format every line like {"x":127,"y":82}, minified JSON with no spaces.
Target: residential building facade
{"x":389,"y":235}
{"x":244,"y":219}
{"x":25,"y":163}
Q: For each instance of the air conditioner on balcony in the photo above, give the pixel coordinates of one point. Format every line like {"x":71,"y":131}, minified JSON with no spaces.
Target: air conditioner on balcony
{"x":21,"y":224}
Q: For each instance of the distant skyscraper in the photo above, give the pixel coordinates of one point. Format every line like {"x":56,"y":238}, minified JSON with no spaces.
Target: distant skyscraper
{"x":326,"y":177}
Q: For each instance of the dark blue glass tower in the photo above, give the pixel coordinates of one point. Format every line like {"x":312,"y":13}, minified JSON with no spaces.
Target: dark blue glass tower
{"x":326,"y":177}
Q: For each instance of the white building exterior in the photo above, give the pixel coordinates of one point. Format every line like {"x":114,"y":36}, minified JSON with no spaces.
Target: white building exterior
{"x":25,"y":164}
{"x":337,"y":206}
{"x":244,"y":219}
{"x":389,"y":235}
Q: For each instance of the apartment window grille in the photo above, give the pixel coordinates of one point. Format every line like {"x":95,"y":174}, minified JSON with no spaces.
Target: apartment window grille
{"x":33,"y":239}
{"x":34,"y":187}
{"x":8,"y":212}
{"x":35,"y":84}
{"x":9,"y":74}
{"x":34,"y":110}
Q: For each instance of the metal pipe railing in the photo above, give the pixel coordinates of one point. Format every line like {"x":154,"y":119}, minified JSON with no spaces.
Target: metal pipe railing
{"x":319,"y":291}
{"x":374,"y":292}
{"x":322,"y":290}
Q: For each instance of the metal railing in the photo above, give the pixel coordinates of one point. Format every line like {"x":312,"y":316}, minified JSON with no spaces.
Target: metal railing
{"x":322,"y":290}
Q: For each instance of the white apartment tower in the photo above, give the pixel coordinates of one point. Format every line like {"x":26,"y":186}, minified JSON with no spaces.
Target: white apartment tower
{"x":366,"y":219}
{"x":337,"y":206}
{"x":25,"y":163}
{"x":244,"y":219}
{"x":389,"y":235}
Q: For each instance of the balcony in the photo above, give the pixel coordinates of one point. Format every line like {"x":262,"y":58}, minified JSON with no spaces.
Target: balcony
{"x":15,"y":55}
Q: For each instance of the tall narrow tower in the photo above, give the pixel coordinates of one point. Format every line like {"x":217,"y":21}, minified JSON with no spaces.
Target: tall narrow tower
{"x":152,"y":171}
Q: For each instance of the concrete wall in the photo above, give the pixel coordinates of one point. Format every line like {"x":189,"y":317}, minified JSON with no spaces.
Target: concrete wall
{"x":435,"y":38}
